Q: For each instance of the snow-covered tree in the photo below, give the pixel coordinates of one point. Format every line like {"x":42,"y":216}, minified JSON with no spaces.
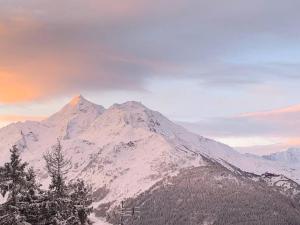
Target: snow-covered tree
{"x":71,"y":203}
{"x":18,"y":186}
{"x":58,"y":167}
{"x":28,"y":204}
{"x":32,"y":184}
{"x":13,"y":177}
{"x":81,"y":197}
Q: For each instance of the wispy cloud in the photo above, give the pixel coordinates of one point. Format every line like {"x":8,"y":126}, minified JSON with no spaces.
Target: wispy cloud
{"x":52,"y":49}
{"x":282,"y":113}
{"x":267,"y":130}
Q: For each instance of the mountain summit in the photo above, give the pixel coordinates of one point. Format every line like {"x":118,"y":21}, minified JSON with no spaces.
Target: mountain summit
{"x":78,"y":105}
{"x":79,"y":99}
{"x":124,"y":150}
{"x":74,"y":117}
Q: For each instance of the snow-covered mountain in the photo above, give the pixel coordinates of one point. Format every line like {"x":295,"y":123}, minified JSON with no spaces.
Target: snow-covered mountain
{"x":125,"y":149}
{"x":290,"y":156}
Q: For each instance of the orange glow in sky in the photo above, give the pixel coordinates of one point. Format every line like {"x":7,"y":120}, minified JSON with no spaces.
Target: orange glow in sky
{"x":14,"y":89}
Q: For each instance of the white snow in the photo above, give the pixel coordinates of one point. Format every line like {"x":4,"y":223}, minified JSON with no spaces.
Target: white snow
{"x":125,"y":149}
{"x":98,"y":221}
{"x":290,"y":156}
{"x":286,"y":186}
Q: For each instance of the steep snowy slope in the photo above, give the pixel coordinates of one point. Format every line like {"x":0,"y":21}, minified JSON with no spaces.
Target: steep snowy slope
{"x":123,"y":150}
{"x":74,"y":118}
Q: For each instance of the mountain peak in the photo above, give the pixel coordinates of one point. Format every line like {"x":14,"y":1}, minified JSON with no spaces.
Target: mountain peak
{"x":78,"y":106}
{"x":77,"y":100}
{"x":78,"y":103}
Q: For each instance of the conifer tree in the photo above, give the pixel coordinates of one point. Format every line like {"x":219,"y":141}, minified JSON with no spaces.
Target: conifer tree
{"x":27,"y":204}
{"x":13,"y":177}
{"x":32,"y":184}
{"x":72,"y":202}
{"x":81,"y":196}
{"x":14,"y":185}
{"x":58,"y":167}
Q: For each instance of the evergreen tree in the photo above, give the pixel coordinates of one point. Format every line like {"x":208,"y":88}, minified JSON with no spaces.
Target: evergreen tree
{"x":58,"y":167}
{"x":15,"y":182}
{"x":81,"y":197}
{"x":32,"y":185}
{"x":72,"y":202}
{"x":13,"y":177}
{"x":28,"y":204}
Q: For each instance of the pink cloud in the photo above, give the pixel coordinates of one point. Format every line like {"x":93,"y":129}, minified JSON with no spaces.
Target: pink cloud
{"x":283,"y":112}
{"x":280,"y":127}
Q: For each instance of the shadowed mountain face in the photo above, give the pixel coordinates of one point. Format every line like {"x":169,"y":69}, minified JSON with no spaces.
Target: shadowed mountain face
{"x":212,"y":195}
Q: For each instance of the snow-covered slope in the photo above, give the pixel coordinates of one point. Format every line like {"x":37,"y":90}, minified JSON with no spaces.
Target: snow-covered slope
{"x":74,"y":118}
{"x":290,"y":156}
{"x":212,"y":195}
{"x":123,"y":150}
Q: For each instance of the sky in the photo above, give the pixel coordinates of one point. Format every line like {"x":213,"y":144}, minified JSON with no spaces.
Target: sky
{"x":215,"y":65}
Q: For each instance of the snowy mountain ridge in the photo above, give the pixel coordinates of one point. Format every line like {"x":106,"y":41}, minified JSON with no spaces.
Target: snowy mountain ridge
{"x":291,"y":156}
{"x":125,"y":149}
